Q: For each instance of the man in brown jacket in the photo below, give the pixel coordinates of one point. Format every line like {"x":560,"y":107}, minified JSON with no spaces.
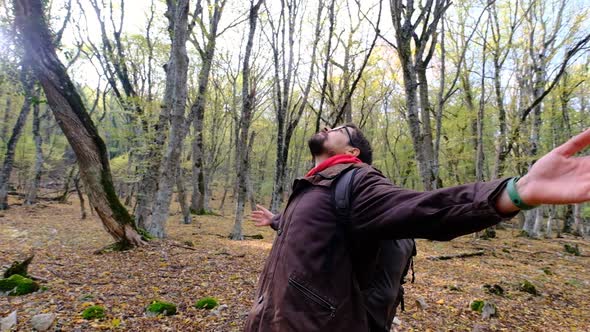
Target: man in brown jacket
{"x":313,"y":278}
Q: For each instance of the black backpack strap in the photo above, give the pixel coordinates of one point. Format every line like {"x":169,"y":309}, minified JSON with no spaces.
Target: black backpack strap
{"x":342,"y":190}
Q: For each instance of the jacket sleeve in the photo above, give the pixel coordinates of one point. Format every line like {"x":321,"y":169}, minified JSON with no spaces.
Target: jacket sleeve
{"x":275,"y":221}
{"x":380,"y":209}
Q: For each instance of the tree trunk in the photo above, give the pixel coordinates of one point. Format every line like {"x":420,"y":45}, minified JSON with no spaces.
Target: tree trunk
{"x":148,"y":184}
{"x":80,"y":197}
{"x":27,"y":84}
{"x":529,"y":222}
{"x":248,"y":96}
{"x":199,"y":197}
{"x":538,"y":222}
{"x":425,"y":111}
{"x":31,"y":196}
{"x":6,"y":118}
{"x":288,"y":115}
{"x":184,"y":207}
{"x":479,"y":152}
{"x":76,"y":124}
{"x":227,"y":168}
{"x":249,"y":184}
{"x":577,"y":228}
{"x":549,"y":228}
{"x":174,"y":99}
{"x":332,"y":19}
{"x":415,"y":50}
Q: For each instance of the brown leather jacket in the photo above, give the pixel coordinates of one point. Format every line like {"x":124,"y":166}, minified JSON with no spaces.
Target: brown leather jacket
{"x":313,"y":278}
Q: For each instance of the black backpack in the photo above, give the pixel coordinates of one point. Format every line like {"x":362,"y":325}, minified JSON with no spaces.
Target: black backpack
{"x":385,"y":292}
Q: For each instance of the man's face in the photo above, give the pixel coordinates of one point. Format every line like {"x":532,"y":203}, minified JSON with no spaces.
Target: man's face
{"x":330,"y":142}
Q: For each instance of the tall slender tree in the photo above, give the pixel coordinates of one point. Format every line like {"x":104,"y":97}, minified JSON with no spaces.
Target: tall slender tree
{"x":248,"y":99}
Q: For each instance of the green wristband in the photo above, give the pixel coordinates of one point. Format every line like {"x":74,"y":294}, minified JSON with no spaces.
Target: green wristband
{"x":515,"y":197}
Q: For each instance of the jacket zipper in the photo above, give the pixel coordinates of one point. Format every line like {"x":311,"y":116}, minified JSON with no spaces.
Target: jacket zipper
{"x":313,"y":296}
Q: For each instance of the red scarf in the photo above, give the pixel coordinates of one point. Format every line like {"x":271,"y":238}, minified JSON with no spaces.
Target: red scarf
{"x":335,"y":160}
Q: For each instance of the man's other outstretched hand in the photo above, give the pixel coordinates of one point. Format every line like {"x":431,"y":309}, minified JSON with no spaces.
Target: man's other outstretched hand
{"x":557,"y":178}
{"x":261,"y":216}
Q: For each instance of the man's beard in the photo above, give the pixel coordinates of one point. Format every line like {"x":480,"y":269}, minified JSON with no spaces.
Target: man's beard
{"x":316,"y":144}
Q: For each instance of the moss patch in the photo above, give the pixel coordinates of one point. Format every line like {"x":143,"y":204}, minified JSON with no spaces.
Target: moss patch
{"x":203,"y":212}
{"x":527,"y":287}
{"x":161,"y":308}
{"x":18,"y":285}
{"x":574,"y":250}
{"x":93,"y":312}
{"x":206,"y":303}
{"x":477,"y":305}
{"x":145,"y":234}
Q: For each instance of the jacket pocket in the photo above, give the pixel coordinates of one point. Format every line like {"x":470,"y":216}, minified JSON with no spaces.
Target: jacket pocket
{"x":313,"y":296}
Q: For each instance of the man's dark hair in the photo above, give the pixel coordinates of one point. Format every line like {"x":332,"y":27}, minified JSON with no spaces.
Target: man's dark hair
{"x":359,"y":141}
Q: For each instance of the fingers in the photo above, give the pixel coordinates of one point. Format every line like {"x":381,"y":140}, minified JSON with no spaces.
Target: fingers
{"x":262,"y":208}
{"x":574,"y":144}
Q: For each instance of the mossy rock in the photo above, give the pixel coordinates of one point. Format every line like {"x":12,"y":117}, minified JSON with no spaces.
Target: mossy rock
{"x":527,"y":287}
{"x":488,"y":233}
{"x":161,"y":308}
{"x":477,"y":305}
{"x":574,"y":250}
{"x":494,"y":289}
{"x":93,"y":312}
{"x":206,"y":303}
{"x":19,"y":268}
{"x":454,"y":288}
{"x":18,"y":285}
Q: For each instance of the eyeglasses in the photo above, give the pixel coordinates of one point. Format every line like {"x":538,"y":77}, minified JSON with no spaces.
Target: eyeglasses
{"x":347,"y":133}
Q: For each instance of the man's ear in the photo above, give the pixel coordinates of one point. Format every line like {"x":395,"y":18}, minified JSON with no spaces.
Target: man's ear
{"x":354,"y":151}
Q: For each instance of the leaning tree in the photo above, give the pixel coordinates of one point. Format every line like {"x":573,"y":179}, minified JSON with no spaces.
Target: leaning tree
{"x":70,"y":113}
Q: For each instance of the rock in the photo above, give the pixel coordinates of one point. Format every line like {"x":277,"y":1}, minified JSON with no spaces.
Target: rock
{"x":488,"y":310}
{"x":421,"y":302}
{"x":42,"y":322}
{"x":494,"y":289}
{"x":219,"y":309}
{"x":454,"y":288}
{"x":8,"y":322}
{"x":396,"y":321}
{"x":18,"y":285}
{"x":527,"y":287}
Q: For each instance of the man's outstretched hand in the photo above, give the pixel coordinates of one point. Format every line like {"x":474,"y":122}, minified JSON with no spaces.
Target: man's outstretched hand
{"x":261,"y":216}
{"x":557,"y":178}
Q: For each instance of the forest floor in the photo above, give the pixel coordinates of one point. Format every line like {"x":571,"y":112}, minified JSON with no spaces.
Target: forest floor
{"x":197,"y":261}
